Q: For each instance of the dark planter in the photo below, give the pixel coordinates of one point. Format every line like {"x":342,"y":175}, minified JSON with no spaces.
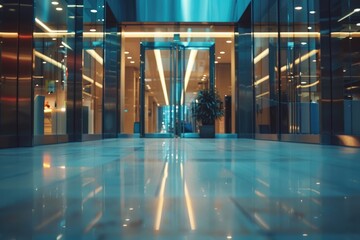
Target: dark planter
{"x":207,"y":131}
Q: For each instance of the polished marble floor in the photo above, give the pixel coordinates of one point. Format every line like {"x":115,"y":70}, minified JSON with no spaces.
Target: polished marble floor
{"x":180,"y":189}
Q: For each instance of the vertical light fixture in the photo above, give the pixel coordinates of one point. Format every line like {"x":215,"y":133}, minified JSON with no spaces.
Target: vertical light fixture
{"x":189,"y":68}
{"x":161,"y":73}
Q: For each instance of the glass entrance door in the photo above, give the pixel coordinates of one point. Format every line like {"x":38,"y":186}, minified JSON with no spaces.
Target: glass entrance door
{"x":171,"y":74}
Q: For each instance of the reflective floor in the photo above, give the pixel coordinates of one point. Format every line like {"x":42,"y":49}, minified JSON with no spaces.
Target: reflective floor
{"x":180,"y":189}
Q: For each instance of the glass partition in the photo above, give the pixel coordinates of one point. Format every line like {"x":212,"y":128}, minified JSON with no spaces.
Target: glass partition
{"x":93,"y":71}
{"x":299,"y":68}
{"x":345,"y":38}
{"x":287,"y":67}
{"x":266,"y":69}
{"x":50,"y":73}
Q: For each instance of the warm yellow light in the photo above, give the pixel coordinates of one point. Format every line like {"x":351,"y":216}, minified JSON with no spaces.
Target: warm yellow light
{"x":46,"y":28}
{"x":261,"y":55}
{"x":182,"y":34}
{"x":308,"y":85}
{"x":95,"y":55}
{"x":189,"y":68}
{"x":261,"y":80}
{"x":49,"y":60}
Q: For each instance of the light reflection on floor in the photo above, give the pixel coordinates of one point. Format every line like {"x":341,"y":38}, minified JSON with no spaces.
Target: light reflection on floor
{"x":180,"y":189}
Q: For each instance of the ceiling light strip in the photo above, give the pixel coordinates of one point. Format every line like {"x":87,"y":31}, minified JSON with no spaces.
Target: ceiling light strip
{"x":182,"y":34}
{"x":161,"y":73}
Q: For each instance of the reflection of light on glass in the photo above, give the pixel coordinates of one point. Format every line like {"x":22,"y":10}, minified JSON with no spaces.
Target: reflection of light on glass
{"x":46,"y":160}
{"x":58,"y":9}
{"x":95,"y":55}
{"x":348,"y":15}
{"x":312,"y":12}
{"x":161,"y":73}
{"x":49,"y":220}
{"x":262,"y":94}
{"x":55,"y":3}
{"x":298,"y":8}
{"x":262,"y":80}
{"x":188,"y":202}
{"x":261,"y":55}
{"x":307,"y":85}
{"x":261,"y":221}
{"x":92,"y":194}
{"x":93,"y":222}
{"x":49,"y":60}
{"x":260,"y":194}
{"x":93,"y":10}
{"x":263,"y":182}
{"x":161,"y":198}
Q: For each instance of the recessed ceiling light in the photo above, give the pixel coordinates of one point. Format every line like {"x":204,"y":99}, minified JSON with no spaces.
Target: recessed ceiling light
{"x":126,"y":52}
{"x":312,"y":12}
{"x":218,"y":57}
{"x":55,"y":3}
{"x":71,"y":17}
{"x":132,"y":61}
{"x":129,"y":57}
{"x":93,"y":10}
{"x":222,"y":52}
{"x":298,"y":8}
{"x":58,"y":9}
{"x":228,"y":41}
{"x":216,"y":62}
{"x":92,"y":30}
{"x":303,"y":43}
{"x":54,"y":39}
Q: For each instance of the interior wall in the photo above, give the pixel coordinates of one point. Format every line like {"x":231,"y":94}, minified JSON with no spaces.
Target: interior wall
{"x":223,"y":86}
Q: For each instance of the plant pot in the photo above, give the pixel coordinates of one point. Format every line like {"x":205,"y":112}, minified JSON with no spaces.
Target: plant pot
{"x":207,"y":131}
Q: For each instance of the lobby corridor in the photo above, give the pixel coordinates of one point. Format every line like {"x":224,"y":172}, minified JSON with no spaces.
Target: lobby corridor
{"x":186,"y":189}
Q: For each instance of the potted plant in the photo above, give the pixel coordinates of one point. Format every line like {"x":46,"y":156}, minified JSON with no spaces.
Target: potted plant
{"x":208,"y":108}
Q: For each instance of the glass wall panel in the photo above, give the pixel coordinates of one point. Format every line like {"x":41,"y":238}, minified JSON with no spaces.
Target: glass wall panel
{"x":345,"y":49}
{"x":93,"y":73}
{"x":299,"y":67}
{"x":50,"y":62}
{"x":265,"y":27}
